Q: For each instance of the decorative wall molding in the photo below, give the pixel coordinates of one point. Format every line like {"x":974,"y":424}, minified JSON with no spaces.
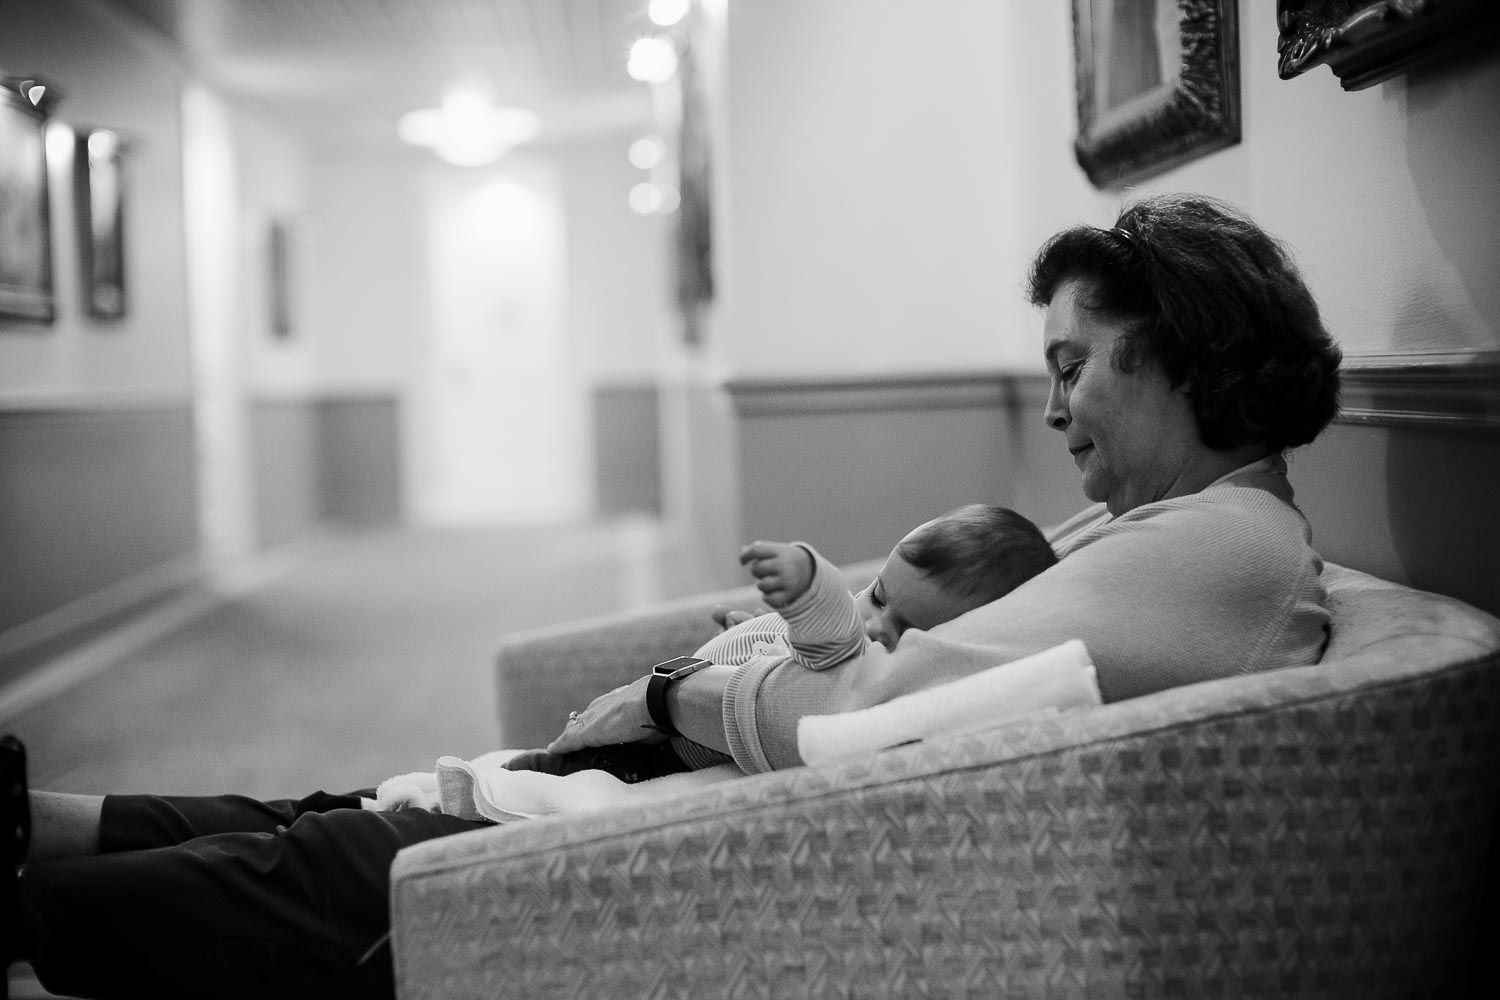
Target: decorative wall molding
{"x":104,"y":401}
{"x":1458,"y":391}
{"x":1453,"y":391}
{"x":759,"y":397}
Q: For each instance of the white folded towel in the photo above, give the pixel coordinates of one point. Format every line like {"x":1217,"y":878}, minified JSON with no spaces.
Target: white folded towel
{"x":1052,"y":681}
{"x":482,"y":788}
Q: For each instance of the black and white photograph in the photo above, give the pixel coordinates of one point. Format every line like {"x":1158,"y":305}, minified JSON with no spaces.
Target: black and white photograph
{"x":614,"y":499}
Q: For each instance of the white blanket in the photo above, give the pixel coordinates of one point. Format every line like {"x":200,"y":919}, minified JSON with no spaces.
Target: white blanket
{"x":482,"y":789}
{"x":1046,"y":683}
{"x":1057,"y":680}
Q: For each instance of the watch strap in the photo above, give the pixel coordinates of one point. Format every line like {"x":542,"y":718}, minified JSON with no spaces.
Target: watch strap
{"x":662,"y":675}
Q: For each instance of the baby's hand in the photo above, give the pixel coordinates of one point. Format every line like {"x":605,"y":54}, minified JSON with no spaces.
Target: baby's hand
{"x":782,"y":571}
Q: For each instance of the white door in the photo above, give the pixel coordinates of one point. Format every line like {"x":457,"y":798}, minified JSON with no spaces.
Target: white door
{"x":499,"y":419}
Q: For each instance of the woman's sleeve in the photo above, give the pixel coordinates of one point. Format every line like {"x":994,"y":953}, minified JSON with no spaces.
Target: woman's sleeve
{"x":1181,"y":593}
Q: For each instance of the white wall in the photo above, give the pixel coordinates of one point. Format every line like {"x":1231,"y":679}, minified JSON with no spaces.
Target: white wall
{"x":383,"y":314}
{"x":273,"y":180}
{"x":871,"y":186}
{"x":124,"y":81}
{"x":620,"y":292}
{"x":367,"y":292}
{"x":892,"y":164}
{"x":1389,"y":196}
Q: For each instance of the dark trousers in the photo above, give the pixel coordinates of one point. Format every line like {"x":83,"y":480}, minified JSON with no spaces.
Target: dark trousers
{"x":225,"y":897}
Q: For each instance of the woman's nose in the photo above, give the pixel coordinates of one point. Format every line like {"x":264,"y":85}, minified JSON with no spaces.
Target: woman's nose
{"x":1056,"y":413}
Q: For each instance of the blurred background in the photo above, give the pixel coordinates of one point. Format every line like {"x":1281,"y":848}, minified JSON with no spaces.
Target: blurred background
{"x":434,"y":319}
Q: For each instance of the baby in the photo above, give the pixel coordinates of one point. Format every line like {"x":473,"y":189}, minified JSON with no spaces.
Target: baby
{"x":962,"y":560}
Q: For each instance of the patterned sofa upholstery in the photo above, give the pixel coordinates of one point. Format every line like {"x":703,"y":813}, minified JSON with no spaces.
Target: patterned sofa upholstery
{"x":1319,"y":831}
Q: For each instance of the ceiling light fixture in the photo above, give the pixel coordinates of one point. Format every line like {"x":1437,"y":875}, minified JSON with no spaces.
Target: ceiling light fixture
{"x":653,"y":59}
{"x":468,"y":131}
{"x":646,"y":152}
{"x":666,"y":13}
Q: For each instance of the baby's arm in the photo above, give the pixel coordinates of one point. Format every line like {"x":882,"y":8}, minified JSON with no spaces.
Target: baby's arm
{"x":783,"y":571}
{"x":809,"y":592}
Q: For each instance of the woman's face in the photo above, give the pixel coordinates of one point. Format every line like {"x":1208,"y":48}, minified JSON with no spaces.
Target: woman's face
{"x":1132,"y":436}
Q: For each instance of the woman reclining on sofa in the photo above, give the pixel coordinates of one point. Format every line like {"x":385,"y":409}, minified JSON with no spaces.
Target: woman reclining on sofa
{"x":1186,"y":355}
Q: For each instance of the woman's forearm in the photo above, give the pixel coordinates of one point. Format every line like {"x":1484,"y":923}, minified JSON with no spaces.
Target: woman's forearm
{"x":696,"y":705}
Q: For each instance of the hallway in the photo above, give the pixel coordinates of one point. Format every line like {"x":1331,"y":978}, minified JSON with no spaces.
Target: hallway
{"x":367,"y":654}
{"x":368,"y":657}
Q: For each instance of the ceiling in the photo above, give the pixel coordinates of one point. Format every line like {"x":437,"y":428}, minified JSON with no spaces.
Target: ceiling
{"x":342,"y":71}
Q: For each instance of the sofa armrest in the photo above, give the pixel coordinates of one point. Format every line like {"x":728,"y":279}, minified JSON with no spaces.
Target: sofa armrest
{"x":543,"y":674}
{"x":1307,"y":832}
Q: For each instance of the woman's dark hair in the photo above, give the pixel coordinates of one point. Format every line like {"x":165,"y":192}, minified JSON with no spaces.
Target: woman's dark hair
{"x":979,"y":551}
{"x":1218,"y":303}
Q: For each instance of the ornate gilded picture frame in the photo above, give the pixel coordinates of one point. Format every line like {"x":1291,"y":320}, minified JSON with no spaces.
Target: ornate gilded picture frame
{"x":25,"y":214}
{"x":99,"y":197}
{"x":1365,"y":42}
{"x":1158,"y":84}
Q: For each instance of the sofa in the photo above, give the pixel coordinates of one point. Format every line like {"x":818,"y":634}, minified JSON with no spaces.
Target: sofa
{"x":1318,"y":831}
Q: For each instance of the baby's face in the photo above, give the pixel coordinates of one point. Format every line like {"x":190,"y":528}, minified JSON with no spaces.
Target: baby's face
{"x":903,"y":597}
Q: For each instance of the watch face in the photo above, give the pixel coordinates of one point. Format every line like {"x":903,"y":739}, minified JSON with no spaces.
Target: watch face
{"x":679,"y":666}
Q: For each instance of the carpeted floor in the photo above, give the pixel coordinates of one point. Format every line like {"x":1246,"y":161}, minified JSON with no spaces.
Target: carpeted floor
{"x":369,"y":658}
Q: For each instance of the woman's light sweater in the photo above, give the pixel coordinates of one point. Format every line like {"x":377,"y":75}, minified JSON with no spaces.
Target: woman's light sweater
{"x":1217,"y":583}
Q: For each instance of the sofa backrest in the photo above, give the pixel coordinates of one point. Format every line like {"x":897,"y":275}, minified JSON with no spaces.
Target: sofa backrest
{"x":1376,"y":620}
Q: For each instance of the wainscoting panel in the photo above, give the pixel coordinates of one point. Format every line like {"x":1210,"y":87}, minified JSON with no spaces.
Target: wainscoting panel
{"x":284,"y":459}
{"x":852,"y":465}
{"x":1405,"y":484}
{"x":359,"y":456}
{"x":627,"y":450}
{"x":90,"y":497}
{"x":331,"y":457}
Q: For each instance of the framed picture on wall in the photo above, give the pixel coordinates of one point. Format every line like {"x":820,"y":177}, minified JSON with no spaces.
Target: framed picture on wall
{"x":1158,"y":84}
{"x":1368,"y":43}
{"x":25,"y":219}
{"x":279,"y":277}
{"x":99,"y":199}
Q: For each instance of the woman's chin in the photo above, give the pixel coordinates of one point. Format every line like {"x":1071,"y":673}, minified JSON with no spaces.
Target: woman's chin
{"x":1095,"y":489}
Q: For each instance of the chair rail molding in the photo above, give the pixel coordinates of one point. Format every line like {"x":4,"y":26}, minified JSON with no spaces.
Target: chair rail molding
{"x":1457,"y":390}
{"x":771,"y":395}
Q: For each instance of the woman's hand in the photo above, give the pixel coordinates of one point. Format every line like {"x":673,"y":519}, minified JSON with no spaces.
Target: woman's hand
{"x":617,"y":717}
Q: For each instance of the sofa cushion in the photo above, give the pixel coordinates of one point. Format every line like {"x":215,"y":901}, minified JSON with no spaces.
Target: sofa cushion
{"x":1374,"y":618}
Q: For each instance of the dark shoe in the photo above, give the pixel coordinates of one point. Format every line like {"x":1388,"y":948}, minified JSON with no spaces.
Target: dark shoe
{"x":15,"y":804}
{"x":15,"y":837}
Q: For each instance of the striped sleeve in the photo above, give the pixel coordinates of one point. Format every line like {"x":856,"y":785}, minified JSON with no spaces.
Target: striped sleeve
{"x":823,"y":625}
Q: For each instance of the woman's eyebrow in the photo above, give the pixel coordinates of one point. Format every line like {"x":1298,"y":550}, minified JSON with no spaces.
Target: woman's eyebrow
{"x":1057,"y":347}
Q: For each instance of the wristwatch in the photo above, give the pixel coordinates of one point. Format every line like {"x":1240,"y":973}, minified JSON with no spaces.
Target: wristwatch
{"x":662,"y":675}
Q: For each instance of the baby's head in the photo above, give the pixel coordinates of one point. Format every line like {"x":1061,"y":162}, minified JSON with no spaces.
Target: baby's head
{"x":952,"y":564}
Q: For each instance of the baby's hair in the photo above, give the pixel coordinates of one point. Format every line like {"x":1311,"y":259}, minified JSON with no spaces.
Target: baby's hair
{"x":978,"y":551}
